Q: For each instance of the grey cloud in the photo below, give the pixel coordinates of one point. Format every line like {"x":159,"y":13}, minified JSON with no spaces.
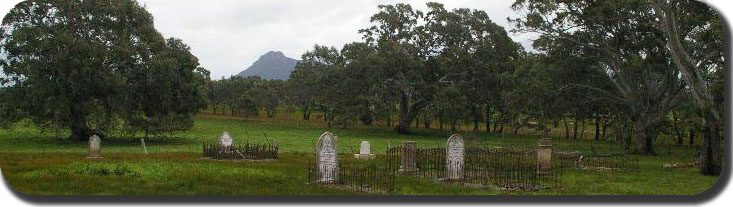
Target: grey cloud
{"x":229,"y":35}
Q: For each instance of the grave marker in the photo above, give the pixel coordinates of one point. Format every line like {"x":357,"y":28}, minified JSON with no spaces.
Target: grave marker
{"x":327,"y":158}
{"x":95,"y":148}
{"x":365,"y":151}
{"x":455,"y":153}
{"x":409,"y":157}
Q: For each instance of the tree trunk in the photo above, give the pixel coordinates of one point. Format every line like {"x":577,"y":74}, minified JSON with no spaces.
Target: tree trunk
{"x":427,"y":121}
{"x":598,"y":128}
{"x":643,"y":137}
{"x":270,"y":113}
{"x":417,"y":123}
{"x":306,"y":113}
{"x":575,"y":130}
{"x":692,"y":135}
{"x":582,"y":131}
{"x":476,"y":117}
{"x":605,"y":127}
{"x":80,"y":132}
{"x":453,"y":127}
{"x":407,"y":114}
{"x":441,"y":120}
{"x":403,"y":123}
{"x":677,"y":130}
{"x":711,"y":163}
{"x":567,"y":128}
{"x":78,"y":126}
{"x":488,"y":118}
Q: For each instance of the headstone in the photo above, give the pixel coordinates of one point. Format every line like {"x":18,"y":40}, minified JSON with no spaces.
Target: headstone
{"x":544,"y":155}
{"x":454,"y":157}
{"x":365,"y":151}
{"x":327,"y":158}
{"x":409,"y":157}
{"x":226,"y":143}
{"x":95,"y":149}
{"x":581,"y":162}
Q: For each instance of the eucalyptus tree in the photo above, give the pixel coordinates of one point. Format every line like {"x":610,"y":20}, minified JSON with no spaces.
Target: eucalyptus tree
{"x":618,"y":33}
{"x":267,"y":95}
{"x":409,"y":69}
{"x":313,"y":81}
{"x":360,"y":91}
{"x":164,"y":95}
{"x":75,"y":63}
{"x":476,"y":53}
{"x":693,"y":35}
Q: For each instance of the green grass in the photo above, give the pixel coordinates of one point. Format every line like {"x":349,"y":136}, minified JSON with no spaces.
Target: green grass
{"x":35,"y":162}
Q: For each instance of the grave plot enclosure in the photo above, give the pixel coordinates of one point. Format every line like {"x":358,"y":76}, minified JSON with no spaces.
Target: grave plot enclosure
{"x":365,"y":172}
{"x":484,"y":167}
{"x":247,"y":151}
{"x":493,"y":168}
{"x":596,"y":158}
{"x":226,"y":149}
{"x":367,"y":175}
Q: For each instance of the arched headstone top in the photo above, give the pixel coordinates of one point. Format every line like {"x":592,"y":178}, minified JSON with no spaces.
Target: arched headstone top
{"x":455,"y":139}
{"x":226,"y":140}
{"x":94,"y":139}
{"x":326,"y":140}
{"x":365,"y":148}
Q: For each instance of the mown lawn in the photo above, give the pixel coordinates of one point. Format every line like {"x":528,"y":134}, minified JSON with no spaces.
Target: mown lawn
{"x":36,"y":162}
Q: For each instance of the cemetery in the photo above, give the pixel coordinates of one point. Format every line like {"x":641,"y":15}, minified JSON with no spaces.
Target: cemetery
{"x":558,"y":98}
{"x":492,"y":164}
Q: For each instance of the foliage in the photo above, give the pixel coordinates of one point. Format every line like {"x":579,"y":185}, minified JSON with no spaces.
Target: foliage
{"x":84,"y":64}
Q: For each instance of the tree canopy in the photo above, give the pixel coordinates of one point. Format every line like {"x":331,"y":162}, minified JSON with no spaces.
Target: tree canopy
{"x":86,"y":65}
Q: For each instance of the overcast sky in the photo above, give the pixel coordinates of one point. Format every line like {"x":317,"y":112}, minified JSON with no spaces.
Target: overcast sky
{"x":229,"y":35}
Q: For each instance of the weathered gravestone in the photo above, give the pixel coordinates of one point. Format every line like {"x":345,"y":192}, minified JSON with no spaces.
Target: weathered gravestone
{"x":226,"y":144}
{"x":365,"y":151}
{"x":327,"y":158}
{"x":95,"y":148}
{"x":409,"y":157}
{"x":544,"y":155}
{"x":454,"y":158}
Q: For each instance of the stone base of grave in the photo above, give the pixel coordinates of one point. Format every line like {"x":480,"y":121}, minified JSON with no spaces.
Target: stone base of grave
{"x":326,"y":181}
{"x":450,"y":180}
{"x":407,"y":171}
{"x":95,"y":158}
{"x":365,"y":157}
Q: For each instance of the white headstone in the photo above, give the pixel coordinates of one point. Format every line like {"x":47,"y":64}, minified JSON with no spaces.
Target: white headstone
{"x":455,"y":152}
{"x":365,"y":148}
{"x":365,"y":152}
{"x":327,"y":158}
{"x":95,"y":148}
{"x":225,"y":142}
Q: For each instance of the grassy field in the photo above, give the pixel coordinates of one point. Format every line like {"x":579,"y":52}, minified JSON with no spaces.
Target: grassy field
{"x":38,"y":162}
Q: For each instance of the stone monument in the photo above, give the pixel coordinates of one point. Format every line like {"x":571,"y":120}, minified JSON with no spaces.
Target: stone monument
{"x":544,"y":155}
{"x":95,"y":148}
{"x":455,"y":153}
{"x":365,"y":152}
{"x":226,"y":143}
{"x":409,"y":157}
{"x":327,"y":158}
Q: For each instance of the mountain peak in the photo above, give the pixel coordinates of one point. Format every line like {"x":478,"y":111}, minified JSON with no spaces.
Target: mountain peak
{"x":274,"y":53}
{"x":271,"y":65}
